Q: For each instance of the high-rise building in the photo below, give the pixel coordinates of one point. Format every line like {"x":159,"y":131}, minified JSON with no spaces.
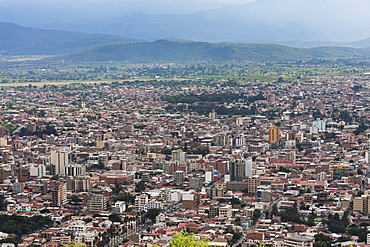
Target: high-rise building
{"x":249,"y":166}
{"x":141,"y":202}
{"x":238,"y":169}
{"x":59,"y":159}
{"x":253,"y":183}
{"x":213,"y":211}
{"x":97,"y":202}
{"x":209,"y":176}
{"x":75,"y":170}
{"x":319,"y":124}
{"x":81,"y":183}
{"x":179,"y":177}
{"x":178,"y":155}
{"x":22,"y":172}
{"x":223,"y":139}
{"x":273,"y":134}
{"x":362,"y":204}
{"x":59,"y":195}
{"x":37,"y":170}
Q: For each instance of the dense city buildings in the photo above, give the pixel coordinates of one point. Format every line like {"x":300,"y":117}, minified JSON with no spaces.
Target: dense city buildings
{"x":131,"y":164}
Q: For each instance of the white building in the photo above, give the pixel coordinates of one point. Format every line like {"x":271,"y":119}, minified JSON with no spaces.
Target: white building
{"x":78,"y":226}
{"x":178,"y":155}
{"x":320,"y":125}
{"x":248,"y":169}
{"x":141,"y":202}
{"x":154,"y":204}
{"x":59,"y":159}
{"x":209,"y":176}
{"x":173,"y":196}
{"x":75,"y":170}
{"x":37,"y":170}
{"x":119,"y":207}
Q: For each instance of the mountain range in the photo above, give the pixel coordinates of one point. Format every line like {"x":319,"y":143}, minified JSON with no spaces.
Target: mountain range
{"x":167,"y":50}
{"x":77,"y":46}
{"x":18,"y":40}
{"x":269,"y":21}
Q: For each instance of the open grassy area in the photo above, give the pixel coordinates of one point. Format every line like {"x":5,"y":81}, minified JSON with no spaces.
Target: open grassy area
{"x":40,"y":84}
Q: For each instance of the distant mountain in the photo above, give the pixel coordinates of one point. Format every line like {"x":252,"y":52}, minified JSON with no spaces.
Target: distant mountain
{"x":269,"y":21}
{"x":17,"y":40}
{"x":364,"y":43}
{"x":166,"y":50}
{"x":361,"y":43}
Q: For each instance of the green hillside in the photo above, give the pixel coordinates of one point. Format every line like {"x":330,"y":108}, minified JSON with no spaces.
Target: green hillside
{"x":165,"y":50}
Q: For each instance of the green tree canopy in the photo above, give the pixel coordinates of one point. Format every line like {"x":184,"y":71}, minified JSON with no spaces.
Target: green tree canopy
{"x":74,"y":244}
{"x":185,"y":239}
{"x":140,"y":186}
{"x":151,"y":214}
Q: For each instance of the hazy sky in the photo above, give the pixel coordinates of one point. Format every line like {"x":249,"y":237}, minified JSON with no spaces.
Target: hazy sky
{"x":329,"y":20}
{"x":34,"y":1}
{"x":216,"y":2}
{"x":35,"y":12}
{"x":105,"y":8}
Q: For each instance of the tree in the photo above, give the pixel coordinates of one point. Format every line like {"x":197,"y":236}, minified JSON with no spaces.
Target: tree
{"x":2,"y":204}
{"x":117,"y":189}
{"x":235,"y":200}
{"x":115,"y":218}
{"x":74,"y":244}
{"x":124,"y":196}
{"x":322,"y":241}
{"x":362,"y":237}
{"x":140,"y":186}
{"x":152,"y":214}
{"x":274,"y":210}
{"x":256,"y":215}
{"x":185,"y":239}
{"x":235,"y":238}
{"x":360,"y":172}
{"x":75,"y":199}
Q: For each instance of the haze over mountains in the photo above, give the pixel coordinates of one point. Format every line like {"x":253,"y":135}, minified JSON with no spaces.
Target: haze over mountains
{"x":272,"y":21}
{"x":18,"y":40}
{"x":166,"y":50}
{"x":116,"y":32}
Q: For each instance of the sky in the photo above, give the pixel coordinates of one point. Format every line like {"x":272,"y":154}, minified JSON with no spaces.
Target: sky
{"x":332,"y":20}
{"x":212,"y":1}
{"x":34,"y":12}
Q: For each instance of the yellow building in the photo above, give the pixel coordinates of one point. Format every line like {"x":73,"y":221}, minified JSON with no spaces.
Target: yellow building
{"x":273,"y":134}
{"x":3,"y":142}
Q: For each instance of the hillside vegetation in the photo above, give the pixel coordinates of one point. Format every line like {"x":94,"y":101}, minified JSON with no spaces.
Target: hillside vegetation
{"x":166,"y":50}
